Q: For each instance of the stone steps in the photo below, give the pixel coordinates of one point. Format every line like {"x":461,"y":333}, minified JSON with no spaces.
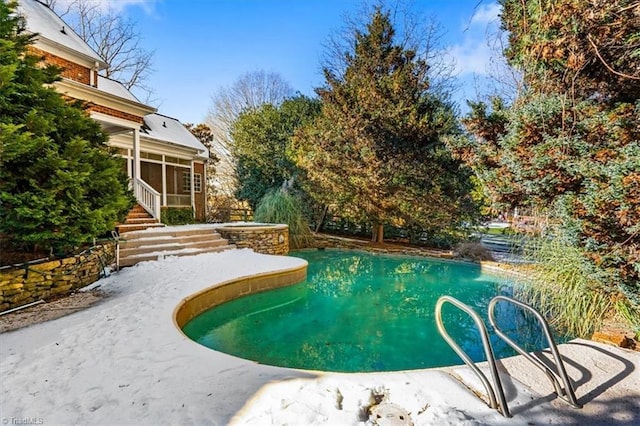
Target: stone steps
{"x":128,"y":227}
{"x":158,"y":243}
{"x":176,"y":244}
{"x":133,"y":242}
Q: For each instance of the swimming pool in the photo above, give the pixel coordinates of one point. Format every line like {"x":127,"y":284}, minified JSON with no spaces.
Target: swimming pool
{"x":361,"y":312}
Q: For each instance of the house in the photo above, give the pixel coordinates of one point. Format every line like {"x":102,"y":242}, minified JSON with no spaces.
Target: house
{"x":165,"y":162}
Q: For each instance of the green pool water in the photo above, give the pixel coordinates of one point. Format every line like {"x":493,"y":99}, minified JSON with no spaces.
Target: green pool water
{"x":360,"y":312}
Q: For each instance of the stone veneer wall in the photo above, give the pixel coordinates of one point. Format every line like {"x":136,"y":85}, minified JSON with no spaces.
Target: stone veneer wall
{"x":23,"y":284}
{"x":350,"y":243}
{"x":266,"y":239}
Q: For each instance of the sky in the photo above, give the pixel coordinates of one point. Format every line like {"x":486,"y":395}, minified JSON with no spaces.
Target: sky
{"x":202,"y":46}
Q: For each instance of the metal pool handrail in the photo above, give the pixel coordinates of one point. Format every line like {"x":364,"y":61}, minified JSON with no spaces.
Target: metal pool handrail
{"x":567,"y":394}
{"x":501,"y":403}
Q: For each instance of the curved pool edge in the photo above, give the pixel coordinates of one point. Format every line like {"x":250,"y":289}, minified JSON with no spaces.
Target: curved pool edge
{"x":225,"y":291}
{"x":128,"y":348}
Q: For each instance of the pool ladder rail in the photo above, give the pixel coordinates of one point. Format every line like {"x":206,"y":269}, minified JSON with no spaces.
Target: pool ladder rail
{"x":495,"y":392}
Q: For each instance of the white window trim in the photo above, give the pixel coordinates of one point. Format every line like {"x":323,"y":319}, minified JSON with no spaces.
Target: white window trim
{"x":197,"y":177}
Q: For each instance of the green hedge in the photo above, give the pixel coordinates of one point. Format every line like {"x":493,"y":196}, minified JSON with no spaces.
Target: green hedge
{"x":177,"y":216}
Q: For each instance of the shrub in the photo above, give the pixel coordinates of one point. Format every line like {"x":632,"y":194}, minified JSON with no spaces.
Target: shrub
{"x":177,"y":216}
{"x":474,"y":251}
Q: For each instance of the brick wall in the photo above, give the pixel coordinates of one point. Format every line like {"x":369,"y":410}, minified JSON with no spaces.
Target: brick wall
{"x":70,"y":70}
{"x":114,"y":113}
{"x":82,"y":74}
{"x":200,"y":197}
{"x":24,"y":284}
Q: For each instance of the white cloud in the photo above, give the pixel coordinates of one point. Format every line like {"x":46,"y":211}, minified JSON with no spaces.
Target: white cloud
{"x":472,"y":55}
{"x":486,"y":14}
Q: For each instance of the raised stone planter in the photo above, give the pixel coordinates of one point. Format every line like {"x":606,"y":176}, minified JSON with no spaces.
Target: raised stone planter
{"x":262,"y":238}
{"x":27,"y":283}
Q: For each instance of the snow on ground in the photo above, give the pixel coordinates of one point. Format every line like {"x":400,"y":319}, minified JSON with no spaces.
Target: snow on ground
{"x":123,"y":361}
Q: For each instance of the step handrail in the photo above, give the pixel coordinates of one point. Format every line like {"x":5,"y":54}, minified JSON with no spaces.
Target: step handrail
{"x":567,"y":394}
{"x":500,"y":404}
{"x":147,"y":197}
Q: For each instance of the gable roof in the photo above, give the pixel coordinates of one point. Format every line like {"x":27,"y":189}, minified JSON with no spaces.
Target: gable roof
{"x":52,"y":30}
{"x":44,"y":21}
{"x":171,"y":130}
{"x":115,"y":88}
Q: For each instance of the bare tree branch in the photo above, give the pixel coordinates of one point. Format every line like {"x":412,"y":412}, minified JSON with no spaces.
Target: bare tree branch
{"x":250,"y":91}
{"x":114,"y":39}
{"x":505,"y":81}
{"x":606,"y":65}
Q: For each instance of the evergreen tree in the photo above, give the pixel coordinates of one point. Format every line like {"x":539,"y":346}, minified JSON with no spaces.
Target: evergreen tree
{"x":583,"y":48}
{"x":570,"y":144}
{"x":262,"y":145}
{"x":376,"y":154}
{"x":60,"y":184}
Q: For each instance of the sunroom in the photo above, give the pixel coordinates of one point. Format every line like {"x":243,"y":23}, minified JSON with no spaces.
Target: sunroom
{"x":171,"y":162}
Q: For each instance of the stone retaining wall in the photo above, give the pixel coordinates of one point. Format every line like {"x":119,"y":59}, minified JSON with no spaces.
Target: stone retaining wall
{"x":334,"y":241}
{"x":23,"y":284}
{"x":266,"y":239}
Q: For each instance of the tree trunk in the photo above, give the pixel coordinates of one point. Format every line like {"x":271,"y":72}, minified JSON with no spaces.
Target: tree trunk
{"x":321,"y":220}
{"x":377,"y":233}
{"x":380,"y":233}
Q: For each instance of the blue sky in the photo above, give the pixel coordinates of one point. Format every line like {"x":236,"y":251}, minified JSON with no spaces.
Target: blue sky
{"x":202,"y":45}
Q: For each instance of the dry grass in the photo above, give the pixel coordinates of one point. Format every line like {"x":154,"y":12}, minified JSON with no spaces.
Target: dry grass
{"x":567,"y":289}
{"x":474,"y":251}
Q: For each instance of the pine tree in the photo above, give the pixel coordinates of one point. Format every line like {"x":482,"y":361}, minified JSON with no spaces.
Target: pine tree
{"x":61,"y":186}
{"x":376,"y":153}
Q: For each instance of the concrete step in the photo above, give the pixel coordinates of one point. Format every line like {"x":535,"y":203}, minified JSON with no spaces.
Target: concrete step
{"x":128,"y":242}
{"x":132,"y":260}
{"x":172,"y":246}
{"x":173,"y":231}
{"x":157,"y":243}
{"x":141,"y":220}
{"x":134,"y":227}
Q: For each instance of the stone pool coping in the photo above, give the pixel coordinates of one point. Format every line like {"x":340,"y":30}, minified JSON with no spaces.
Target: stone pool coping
{"x":195,"y":304}
{"x":249,"y":226}
{"x":123,"y":361}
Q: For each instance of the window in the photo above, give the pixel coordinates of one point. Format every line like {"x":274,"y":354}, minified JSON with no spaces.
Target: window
{"x":150,"y":156}
{"x":186,"y":182}
{"x":175,"y":160}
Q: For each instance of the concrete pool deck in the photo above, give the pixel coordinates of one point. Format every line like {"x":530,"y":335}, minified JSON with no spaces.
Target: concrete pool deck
{"x":123,"y":361}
